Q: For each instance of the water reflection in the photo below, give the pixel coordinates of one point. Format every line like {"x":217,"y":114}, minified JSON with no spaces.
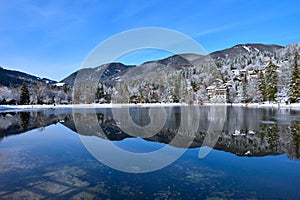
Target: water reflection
{"x":55,"y":165}
{"x":246,"y":132}
{"x":13,"y":123}
{"x":24,"y":120}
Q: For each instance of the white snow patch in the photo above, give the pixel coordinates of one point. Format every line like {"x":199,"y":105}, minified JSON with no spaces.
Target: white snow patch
{"x":247,"y":48}
{"x":251,"y":132}
{"x":236,"y":133}
{"x":59,"y":84}
{"x":94,"y":105}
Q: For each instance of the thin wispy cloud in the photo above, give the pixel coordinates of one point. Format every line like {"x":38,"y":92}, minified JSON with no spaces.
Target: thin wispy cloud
{"x":30,"y":17}
{"x":131,"y":10}
{"x":215,"y":30}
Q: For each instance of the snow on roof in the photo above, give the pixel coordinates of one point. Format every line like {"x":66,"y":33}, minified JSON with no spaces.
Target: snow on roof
{"x":212,"y":87}
{"x":219,"y":80}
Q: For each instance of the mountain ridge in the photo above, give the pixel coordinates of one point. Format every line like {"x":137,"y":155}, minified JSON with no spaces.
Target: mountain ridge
{"x":179,"y":61}
{"x":245,"y":48}
{"x":15,"y":77}
{"x":185,"y":77}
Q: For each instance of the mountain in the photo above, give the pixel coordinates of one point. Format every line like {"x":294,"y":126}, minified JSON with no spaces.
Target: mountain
{"x":112,"y":70}
{"x":175,"y":62}
{"x":175,"y":78}
{"x":245,"y":49}
{"x":115,"y":71}
{"x":41,"y":90}
{"x":16,"y":78}
{"x":182,"y":78}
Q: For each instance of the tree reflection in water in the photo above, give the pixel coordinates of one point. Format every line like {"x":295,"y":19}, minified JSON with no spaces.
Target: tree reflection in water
{"x":25,"y":119}
{"x":259,"y":132}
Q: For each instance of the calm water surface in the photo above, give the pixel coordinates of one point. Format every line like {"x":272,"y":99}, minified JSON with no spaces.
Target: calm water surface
{"x":256,"y":155}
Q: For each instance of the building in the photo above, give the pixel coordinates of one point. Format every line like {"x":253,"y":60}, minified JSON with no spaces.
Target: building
{"x":217,"y":91}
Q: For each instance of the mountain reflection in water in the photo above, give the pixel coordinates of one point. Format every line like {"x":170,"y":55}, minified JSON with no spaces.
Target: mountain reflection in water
{"x":246,"y":131}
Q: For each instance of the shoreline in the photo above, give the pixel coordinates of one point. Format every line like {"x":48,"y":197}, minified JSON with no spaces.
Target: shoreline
{"x":94,"y":105}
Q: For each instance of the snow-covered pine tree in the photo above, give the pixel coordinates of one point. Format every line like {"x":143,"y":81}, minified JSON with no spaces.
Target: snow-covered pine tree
{"x":245,"y":90}
{"x":177,"y":87}
{"x":230,"y":95}
{"x":294,"y":91}
{"x":271,"y":77}
{"x":24,"y":96}
{"x":262,"y":86}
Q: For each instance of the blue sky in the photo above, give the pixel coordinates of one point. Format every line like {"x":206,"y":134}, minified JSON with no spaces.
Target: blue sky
{"x":52,"y":38}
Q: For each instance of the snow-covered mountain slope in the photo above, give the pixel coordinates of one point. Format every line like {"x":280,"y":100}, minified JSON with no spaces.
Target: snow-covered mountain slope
{"x":16,"y":78}
{"x":241,"y":49}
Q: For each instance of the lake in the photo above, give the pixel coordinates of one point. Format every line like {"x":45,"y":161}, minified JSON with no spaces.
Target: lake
{"x":188,"y":152}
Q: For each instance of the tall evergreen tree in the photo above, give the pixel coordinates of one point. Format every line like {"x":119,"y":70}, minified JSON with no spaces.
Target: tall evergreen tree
{"x":262,"y":86}
{"x":100,"y":91}
{"x":245,"y":97}
{"x":294,"y":91}
{"x":230,"y":95}
{"x":271,"y":78}
{"x":177,"y":86}
{"x":24,"y":96}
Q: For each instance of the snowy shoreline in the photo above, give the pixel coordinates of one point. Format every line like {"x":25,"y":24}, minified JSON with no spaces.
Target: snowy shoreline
{"x":40,"y":107}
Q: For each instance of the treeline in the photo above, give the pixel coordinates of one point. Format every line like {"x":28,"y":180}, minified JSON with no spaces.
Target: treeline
{"x":35,"y":94}
{"x":269,"y":87}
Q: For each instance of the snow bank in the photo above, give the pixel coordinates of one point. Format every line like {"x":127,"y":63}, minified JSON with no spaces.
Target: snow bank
{"x":40,"y":107}
{"x":267,"y":105}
